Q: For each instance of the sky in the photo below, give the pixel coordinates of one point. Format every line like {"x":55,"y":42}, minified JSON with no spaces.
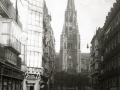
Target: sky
{"x":91,"y":14}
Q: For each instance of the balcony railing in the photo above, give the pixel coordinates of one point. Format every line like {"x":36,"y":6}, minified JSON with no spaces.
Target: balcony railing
{"x":94,"y":72}
{"x":112,"y":53}
{"x":11,"y":35}
{"x":112,"y":34}
{"x":8,"y":11}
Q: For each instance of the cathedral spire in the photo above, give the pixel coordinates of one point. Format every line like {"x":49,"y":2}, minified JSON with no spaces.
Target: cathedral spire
{"x":70,"y":41}
{"x":70,"y":5}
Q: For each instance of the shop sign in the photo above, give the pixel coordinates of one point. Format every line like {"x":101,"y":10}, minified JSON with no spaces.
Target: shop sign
{"x":31,"y":77}
{"x":30,"y":82}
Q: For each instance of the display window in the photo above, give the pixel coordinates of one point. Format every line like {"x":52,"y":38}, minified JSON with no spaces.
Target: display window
{"x":17,"y":87}
{"x":13,"y":85}
{"x":5,"y":85}
{"x":21,"y":86}
{"x":9,"y":85}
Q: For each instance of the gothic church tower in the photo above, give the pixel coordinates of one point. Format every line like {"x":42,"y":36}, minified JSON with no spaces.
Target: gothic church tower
{"x":70,"y":59}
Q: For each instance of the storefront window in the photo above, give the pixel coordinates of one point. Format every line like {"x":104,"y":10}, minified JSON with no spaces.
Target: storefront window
{"x":9,"y":85}
{"x":13,"y":85}
{"x":5,"y":85}
{"x":21,"y":86}
{"x":17,"y":87}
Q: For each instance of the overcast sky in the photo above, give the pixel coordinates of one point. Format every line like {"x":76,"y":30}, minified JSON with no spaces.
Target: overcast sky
{"x":91,"y":14}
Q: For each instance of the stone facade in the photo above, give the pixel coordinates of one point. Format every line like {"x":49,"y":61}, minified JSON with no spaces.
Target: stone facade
{"x":70,"y":59}
{"x":108,"y":48}
{"x":48,"y":49}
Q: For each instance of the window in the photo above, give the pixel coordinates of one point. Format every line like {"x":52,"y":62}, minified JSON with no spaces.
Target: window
{"x":16,"y":86}
{"x":13,"y":85}
{"x":5,"y":85}
{"x":35,"y":18}
{"x":70,"y":29}
{"x":71,"y":18}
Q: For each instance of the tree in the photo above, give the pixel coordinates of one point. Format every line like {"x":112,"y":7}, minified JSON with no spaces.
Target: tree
{"x":64,"y":79}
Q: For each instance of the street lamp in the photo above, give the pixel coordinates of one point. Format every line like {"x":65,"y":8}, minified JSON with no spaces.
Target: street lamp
{"x":87,"y":46}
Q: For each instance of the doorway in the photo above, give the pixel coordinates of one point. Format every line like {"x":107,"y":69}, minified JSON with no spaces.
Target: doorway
{"x":31,"y":88}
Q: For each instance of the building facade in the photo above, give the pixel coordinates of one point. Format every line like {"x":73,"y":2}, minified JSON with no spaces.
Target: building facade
{"x":70,"y":41}
{"x":108,"y":38}
{"x":95,"y":61}
{"x":11,"y":46}
{"x":109,"y":49}
{"x":34,"y":28}
{"x":26,"y":62}
{"x":48,"y":49}
{"x":40,"y":46}
{"x":85,"y":62}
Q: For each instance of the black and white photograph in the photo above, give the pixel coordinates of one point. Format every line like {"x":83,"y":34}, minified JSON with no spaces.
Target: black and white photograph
{"x":59,"y":44}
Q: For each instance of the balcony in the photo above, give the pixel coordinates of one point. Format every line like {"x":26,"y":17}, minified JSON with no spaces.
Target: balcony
{"x":111,"y":73}
{"x":11,"y":35}
{"x":33,"y":70}
{"x":8,"y":11}
{"x":112,"y":34}
{"x":94,"y":72}
{"x":112,"y":53}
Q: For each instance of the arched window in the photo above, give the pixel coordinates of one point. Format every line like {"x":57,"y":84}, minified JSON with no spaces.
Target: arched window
{"x":70,"y":29}
{"x":70,"y":20}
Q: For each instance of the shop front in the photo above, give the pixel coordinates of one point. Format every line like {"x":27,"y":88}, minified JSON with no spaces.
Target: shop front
{"x":10,"y":78}
{"x":32,"y":82}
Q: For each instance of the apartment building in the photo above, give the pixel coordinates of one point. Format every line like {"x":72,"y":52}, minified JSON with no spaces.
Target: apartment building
{"x":11,"y":45}
{"x":110,"y":51}
{"x":22,"y":36}
{"x":94,"y":61}
{"x":108,"y":48}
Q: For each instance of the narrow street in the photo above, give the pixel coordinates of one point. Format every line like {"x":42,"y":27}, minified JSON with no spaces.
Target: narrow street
{"x":59,"y":44}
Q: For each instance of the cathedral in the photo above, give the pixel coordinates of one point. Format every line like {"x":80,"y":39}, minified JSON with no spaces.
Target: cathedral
{"x":70,"y":57}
